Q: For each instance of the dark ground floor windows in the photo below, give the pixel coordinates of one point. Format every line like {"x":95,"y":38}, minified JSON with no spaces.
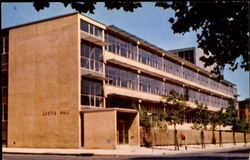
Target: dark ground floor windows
{"x":93,"y":101}
{"x":120,"y":102}
{"x":4,"y":122}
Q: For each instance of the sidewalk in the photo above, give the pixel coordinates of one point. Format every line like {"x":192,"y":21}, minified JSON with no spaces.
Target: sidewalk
{"x":122,"y":151}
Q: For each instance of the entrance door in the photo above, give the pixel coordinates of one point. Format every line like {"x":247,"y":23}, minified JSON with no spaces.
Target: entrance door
{"x":122,"y":130}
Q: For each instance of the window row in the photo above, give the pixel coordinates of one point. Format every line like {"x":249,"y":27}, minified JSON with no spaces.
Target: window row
{"x":93,"y":101}
{"x":121,"y":77}
{"x":128,"y":79}
{"x":150,"y":85}
{"x":206,"y":99}
{"x":168,"y":87}
{"x":172,"y":68}
{"x":127,"y":49}
{"x":149,"y":58}
{"x":92,"y":29}
{"x":120,"y":47}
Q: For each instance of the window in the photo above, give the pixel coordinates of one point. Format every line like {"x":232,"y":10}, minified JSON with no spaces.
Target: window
{"x":92,"y":29}
{"x":91,"y":57}
{"x":187,"y":55}
{"x":4,"y":91}
{"x":84,"y":26}
{"x":4,"y":112}
{"x":151,"y":59}
{"x":91,"y":93}
{"x":121,"y":47}
{"x":150,"y":85}
{"x":5,"y":45}
{"x":122,"y":78}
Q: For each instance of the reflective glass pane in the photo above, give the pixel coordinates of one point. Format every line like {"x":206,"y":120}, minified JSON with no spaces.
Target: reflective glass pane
{"x":84,"y":26}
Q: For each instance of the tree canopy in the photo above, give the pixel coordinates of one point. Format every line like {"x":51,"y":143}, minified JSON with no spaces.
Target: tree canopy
{"x":201,"y":117}
{"x":176,"y":112}
{"x":222,"y":30}
{"x":221,"y":26}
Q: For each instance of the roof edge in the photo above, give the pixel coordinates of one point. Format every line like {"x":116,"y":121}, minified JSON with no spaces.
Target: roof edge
{"x":38,"y":21}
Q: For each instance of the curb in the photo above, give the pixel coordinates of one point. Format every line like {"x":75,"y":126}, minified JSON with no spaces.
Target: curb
{"x":46,"y":153}
{"x":134,"y":154}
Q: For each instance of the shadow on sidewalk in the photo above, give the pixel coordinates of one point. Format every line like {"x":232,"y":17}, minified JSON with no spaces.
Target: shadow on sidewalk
{"x":189,"y":158}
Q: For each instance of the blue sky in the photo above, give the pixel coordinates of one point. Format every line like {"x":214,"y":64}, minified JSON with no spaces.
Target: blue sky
{"x":149,"y":23}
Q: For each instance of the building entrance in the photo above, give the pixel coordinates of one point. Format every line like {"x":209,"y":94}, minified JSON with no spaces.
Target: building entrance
{"x":122,"y":130}
{"x":110,"y":128}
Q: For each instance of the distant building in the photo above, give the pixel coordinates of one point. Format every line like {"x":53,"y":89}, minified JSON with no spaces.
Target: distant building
{"x":244,"y":110}
{"x":70,"y":82}
{"x":192,"y":55}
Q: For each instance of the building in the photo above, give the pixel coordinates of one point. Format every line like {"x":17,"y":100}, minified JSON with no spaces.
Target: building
{"x":244,"y":111}
{"x":192,"y":55}
{"x":70,"y":82}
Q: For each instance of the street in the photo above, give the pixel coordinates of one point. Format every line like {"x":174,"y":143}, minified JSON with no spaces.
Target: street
{"x":240,"y":154}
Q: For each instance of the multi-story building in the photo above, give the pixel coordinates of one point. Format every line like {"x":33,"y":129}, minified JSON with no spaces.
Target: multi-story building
{"x":193,"y":55}
{"x":70,"y":82}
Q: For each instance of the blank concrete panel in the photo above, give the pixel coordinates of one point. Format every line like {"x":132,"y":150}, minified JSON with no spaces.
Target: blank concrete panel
{"x":43,"y":84}
{"x":100,"y":129}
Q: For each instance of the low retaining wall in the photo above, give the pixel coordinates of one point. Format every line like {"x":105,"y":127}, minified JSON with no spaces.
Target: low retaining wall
{"x":160,"y":137}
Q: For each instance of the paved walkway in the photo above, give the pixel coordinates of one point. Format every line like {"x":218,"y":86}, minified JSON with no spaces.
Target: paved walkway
{"x":157,"y":150}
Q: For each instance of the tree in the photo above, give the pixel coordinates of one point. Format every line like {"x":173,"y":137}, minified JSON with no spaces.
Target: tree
{"x":213,"y":120}
{"x":175,"y":111}
{"x":243,"y":127}
{"x":231,"y":118}
{"x":221,"y":122}
{"x":217,"y":119}
{"x":145,"y":122}
{"x":201,"y":121}
{"x":222,"y":26}
{"x":89,"y":6}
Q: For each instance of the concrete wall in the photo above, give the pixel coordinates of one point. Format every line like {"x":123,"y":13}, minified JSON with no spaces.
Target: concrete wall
{"x":43,"y":84}
{"x":100,"y":130}
{"x":134,"y":132}
{"x":166,"y":137}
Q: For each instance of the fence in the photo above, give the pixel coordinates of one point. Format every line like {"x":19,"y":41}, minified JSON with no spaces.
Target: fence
{"x":158,"y":137}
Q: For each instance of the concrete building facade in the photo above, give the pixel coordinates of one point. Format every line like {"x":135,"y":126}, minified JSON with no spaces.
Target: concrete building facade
{"x":70,"y":82}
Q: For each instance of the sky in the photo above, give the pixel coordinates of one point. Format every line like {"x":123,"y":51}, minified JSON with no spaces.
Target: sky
{"x":149,"y":23}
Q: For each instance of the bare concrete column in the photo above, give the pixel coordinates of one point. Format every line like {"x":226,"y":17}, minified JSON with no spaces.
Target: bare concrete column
{"x":139,"y":104}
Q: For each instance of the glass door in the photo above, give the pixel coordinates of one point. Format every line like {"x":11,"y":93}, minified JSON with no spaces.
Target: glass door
{"x":122,"y":130}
